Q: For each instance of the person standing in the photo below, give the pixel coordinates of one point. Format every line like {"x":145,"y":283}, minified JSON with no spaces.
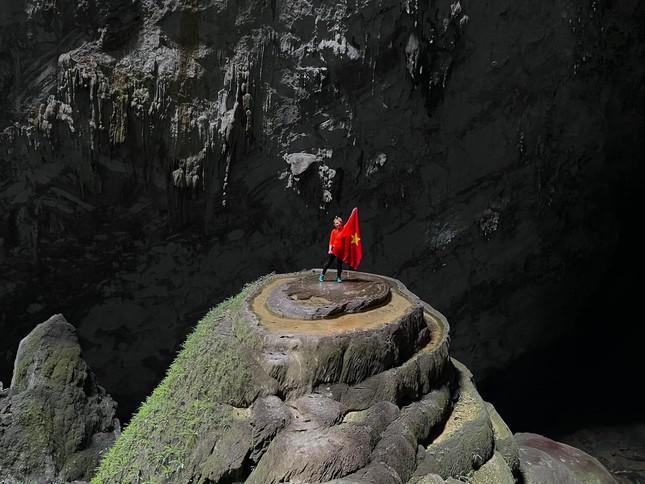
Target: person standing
{"x":334,"y":239}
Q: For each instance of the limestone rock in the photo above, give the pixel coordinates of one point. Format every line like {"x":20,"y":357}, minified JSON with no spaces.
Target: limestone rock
{"x":269,"y":416}
{"x":303,"y":300}
{"x":433,"y":479}
{"x":495,"y":471}
{"x":299,"y":417}
{"x":467,"y":439}
{"x":505,"y":443}
{"x":55,"y":421}
{"x":544,"y":460}
{"x":260,"y":398}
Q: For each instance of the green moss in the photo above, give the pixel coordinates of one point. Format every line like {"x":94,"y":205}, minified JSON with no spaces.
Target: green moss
{"x":357,"y":417}
{"x":37,"y":425}
{"x":20,"y":374}
{"x":195,"y":399}
{"x":29,"y":348}
{"x":61,"y":366}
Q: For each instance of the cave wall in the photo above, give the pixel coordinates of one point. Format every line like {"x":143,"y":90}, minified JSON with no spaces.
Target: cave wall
{"x":155,"y":156}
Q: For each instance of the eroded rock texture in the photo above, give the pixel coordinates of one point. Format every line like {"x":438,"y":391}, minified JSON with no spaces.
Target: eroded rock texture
{"x":55,"y":421}
{"x":157,"y":154}
{"x":370,"y":398}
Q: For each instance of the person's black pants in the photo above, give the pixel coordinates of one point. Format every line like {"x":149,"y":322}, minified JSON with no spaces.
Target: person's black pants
{"x":339,"y":265}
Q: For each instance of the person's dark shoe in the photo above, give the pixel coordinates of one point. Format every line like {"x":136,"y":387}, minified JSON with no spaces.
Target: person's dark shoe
{"x":321,"y":278}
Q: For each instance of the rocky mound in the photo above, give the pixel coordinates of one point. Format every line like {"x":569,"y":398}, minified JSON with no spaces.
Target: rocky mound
{"x":365,"y":396}
{"x":55,"y":421}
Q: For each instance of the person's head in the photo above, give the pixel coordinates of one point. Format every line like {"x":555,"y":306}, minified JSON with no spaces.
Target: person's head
{"x":338,"y":222}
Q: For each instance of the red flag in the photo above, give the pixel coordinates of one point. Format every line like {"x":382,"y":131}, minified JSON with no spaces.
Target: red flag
{"x":349,"y":245}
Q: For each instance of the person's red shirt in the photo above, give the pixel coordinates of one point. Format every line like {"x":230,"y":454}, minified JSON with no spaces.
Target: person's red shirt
{"x":335,"y":233}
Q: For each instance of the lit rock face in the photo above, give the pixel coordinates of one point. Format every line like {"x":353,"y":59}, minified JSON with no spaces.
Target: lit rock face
{"x":55,"y":421}
{"x":368,"y":397}
{"x":471,"y":135}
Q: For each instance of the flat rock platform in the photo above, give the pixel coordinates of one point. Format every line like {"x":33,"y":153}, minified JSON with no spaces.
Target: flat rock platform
{"x":306,"y":297}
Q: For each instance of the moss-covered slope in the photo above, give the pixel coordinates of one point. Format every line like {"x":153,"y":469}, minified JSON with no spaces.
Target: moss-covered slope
{"x":203,"y":398}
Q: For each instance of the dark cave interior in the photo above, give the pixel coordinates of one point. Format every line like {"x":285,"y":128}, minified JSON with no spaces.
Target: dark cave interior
{"x":591,"y":374}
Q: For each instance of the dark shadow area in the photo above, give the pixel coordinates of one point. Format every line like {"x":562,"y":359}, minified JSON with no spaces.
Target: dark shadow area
{"x":592,"y":375}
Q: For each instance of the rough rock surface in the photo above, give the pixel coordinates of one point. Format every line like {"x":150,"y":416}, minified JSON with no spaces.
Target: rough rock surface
{"x":55,"y":421}
{"x":303,"y":300}
{"x":156,"y":154}
{"x":544,"y":460}
{"x":251,"y":400}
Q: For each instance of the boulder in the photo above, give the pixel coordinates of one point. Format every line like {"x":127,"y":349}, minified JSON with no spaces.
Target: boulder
{"x":545,"y":460}
{"x":55,"y":420}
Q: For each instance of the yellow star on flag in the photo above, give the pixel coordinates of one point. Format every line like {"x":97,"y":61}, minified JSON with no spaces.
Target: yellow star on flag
{"x":355,"y":239}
